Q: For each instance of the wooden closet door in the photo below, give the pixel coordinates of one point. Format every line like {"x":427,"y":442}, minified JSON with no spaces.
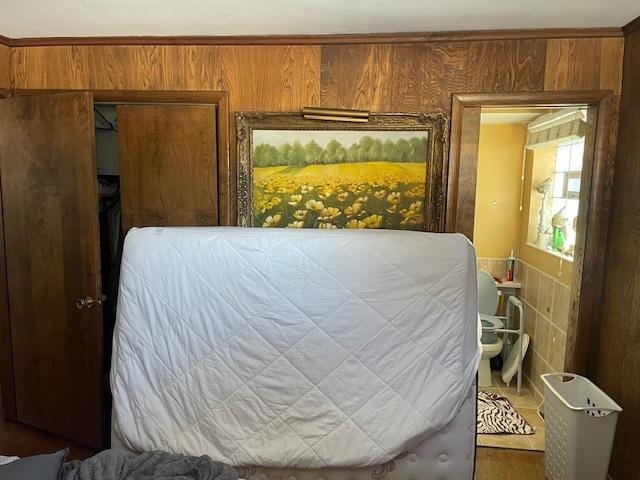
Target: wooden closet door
{"x":50,"y":206}
{"x":168,"y":165}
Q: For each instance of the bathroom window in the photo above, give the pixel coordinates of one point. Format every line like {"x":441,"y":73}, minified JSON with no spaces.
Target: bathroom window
{"x":556,"y":174}
{"x":566,"y":195}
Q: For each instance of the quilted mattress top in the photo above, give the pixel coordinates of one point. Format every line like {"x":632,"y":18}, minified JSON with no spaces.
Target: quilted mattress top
{"x":292,"y":348}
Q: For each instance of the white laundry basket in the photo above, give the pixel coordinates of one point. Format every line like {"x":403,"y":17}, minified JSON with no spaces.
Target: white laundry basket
{"x":580,"y":422}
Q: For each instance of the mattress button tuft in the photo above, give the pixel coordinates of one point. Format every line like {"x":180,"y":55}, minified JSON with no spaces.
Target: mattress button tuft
{"x":443,"y":458}
{"x":413,"y":458}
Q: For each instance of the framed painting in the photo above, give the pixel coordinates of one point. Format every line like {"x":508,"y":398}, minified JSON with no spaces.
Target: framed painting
{"x":387,"y":173}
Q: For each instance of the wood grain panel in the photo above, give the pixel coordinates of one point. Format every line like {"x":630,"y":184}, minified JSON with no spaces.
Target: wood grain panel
{"x":506,"y":66}
{"x":56,"y":67}
{"x":271,"y":78}
{"x":7,"y":400}
{"x":124,"y":68}
{"x":5,"y":69}
{"x":618,"y":366}
{"x":461,"y":191}
{"x":557,"y":65}
{"x":444,"y":72}
{"x":117,"y":68}
{"x":7,"y":386}
{"x":611,"y":57}
{"x":49,"y":193}
{"x":190,"y":68}
{"x":586,"y":277}
{"x":584,"y":64}
{"x":168,"y":165}
{"x":357,"y":76}
{"x":392,"y":78}
{"x":409,"y":78}
{"x":406,"y":89}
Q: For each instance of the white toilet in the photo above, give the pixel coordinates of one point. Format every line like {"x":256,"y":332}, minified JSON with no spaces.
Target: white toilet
{"x":491,"y":344}
{"x":491,"y":347}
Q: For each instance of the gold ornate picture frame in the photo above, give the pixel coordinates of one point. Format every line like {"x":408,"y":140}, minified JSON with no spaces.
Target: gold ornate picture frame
{"x":390,"y":172}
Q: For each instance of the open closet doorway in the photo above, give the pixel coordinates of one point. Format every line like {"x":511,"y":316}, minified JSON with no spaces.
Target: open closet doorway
{"x":526,"y":186}
{"x":71,"y":162}
{"x":109,"y":211}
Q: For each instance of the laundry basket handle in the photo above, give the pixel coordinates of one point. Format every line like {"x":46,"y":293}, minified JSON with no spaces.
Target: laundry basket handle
{"x":562,"y":375}
{"x":572,"y":376}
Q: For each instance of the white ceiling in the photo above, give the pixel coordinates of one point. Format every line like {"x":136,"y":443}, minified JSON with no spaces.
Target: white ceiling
{"x":44,"y":18}
{"x":511,"y":116}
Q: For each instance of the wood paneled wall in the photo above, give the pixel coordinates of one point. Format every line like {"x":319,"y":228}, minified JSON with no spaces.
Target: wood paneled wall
{"x":382,"y":77}
{"x":5,"y":73}
{"x":402,"y":77}
{"x":618,"y":371}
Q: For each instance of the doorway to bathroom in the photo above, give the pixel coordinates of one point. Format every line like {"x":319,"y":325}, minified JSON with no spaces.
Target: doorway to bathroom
{"x":523,"y":179}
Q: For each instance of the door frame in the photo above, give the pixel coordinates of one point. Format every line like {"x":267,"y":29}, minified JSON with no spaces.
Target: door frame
{"x":583,"y":331}
{"x":226,"y":210}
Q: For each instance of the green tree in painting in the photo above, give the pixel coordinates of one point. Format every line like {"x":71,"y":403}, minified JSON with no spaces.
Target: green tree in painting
{"x":313,"y":153}
{"x":284,"y":152}
{"x":365,"y":145}
{"x":266,"y":155}
{"x":389,"y":151}
{"x":375,"y":151}
{"x":366,"y":149}
{"x":297,"y":154}
{"x":353,"y":154}
{"x":419,"y":149}
{"x":403,"y":150}
{"x":334,"y":152}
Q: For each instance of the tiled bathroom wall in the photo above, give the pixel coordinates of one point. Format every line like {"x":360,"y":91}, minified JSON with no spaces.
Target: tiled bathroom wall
{"x":495,"y":266}
{"x":546,"y":313}
{"x":546,"y":319}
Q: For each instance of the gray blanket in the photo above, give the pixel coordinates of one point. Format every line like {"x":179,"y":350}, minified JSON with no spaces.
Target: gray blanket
{"x":121,"y":465}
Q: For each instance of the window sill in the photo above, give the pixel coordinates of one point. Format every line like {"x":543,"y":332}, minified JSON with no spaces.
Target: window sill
{"x":553,"y":253}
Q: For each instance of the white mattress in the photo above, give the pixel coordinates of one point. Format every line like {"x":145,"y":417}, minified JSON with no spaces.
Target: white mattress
{"x":447,"y":455}
{"x":286,"y":348}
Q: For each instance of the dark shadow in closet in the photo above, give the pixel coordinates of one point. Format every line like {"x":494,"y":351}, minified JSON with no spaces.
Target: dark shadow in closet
{"x":111,"y":235}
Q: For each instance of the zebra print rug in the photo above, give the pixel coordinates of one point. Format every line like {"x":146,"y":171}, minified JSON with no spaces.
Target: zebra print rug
{"x":496,"y":415}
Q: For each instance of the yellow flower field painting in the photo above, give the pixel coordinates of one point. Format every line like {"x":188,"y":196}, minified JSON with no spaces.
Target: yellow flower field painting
{"x":339,"y":179}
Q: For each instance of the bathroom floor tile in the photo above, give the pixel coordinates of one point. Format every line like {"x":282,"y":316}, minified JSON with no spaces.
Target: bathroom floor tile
{"x":520,"y":401}
{"x":526,"y":405}
{"x":495,"y":390}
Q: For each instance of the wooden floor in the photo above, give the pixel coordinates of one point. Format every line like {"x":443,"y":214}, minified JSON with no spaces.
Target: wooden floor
{"x":22,"y":441}
{"x":502,"y":464}
{"x":491,"y":463}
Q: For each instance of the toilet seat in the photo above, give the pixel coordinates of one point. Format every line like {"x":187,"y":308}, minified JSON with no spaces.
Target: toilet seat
{"x":495,"y":321}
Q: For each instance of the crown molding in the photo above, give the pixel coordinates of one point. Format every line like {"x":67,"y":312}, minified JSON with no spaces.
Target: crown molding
{"x":417,"y":37}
